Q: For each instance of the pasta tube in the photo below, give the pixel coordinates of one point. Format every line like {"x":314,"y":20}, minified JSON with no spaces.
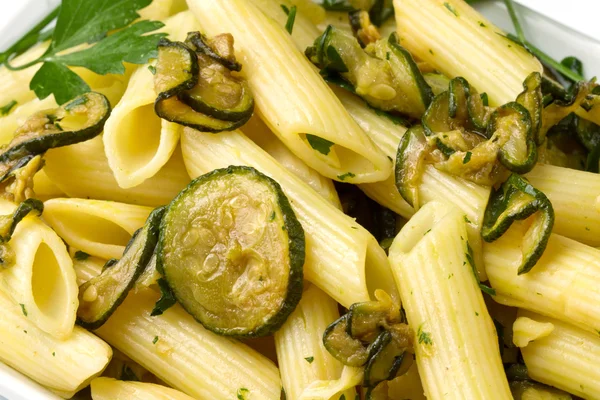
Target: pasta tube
{"x":561,"y":285}
{"x":137,"y":142}
{"x":43,"y":187}
{"x":567,"y":358}
{"x":82,"y":170}
{"x":41,"y":280}
{"x":112,"y":389}
{"x":291,"y":97}
{"x":300,"y":352}
{"x":178,"y":350}
{"x":99,"y":228}
{"x":260,"y":134}
{"x":575,"y":197}
{"x":337,"y":248}
{"x":161,"y":9}
{"x":458,"y":41}
{"x":445,"y":307}
{"x":61,"y":365}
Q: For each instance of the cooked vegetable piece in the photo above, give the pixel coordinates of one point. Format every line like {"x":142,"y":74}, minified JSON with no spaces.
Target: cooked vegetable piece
{"x":558,"y":109}
{"x":8,"y":223}
{"x":383,"y":74}
{"x":529,"y":390}
{"x":79,"y":120}
{"x":516,"y":200}
{"x":195,"y":86}
{"x":100,"y":296}
{"x":365,"y":319}
{"x":437,"y":82}
{"x":362,"y":28}
{"x":232,"y":251}
{"x":412,"y":150}
{"x":532,"y":100}
{"x":388,"y":358}
{"x":342,"y":346}
{"x":511,"y":123}
{"x":176,"y":70}
{"x":588,"y":134}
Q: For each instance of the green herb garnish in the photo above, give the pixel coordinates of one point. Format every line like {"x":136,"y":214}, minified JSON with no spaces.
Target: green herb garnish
{"x":321,"y":145}
{"x":424,"y":337}
{"x":167,"y":298}
{"x":309,"y":359}
{"x":241,"y":393}
{"x":89,"y":21}
{"x":81,"y":255}
{"x":346,"y":175}
{"x":451,"y":9}
{"x":23,"y":309}
{"x":291,"y":13}
{"x":6,"y":108}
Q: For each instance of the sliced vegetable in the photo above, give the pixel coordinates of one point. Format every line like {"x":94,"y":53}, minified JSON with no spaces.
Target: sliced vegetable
{"x":516,"y":200}
{"x":232,"y":251}
{"x":530,"y":390}
{"x":588,"y":134}
{"x":388,"y":358}
{"x":532,"y":100}
{"x":362,"y":28}
{"x":559,"y":108}
{"x":342,"y":346}
{"x":512,"y":124}
{"x":372,"y":334}
{"x":8,"y":223}
{"x":437,"y":82}
{"x":383,"y":74}
{"x":410,"y":157}
{"x":100,"y":296}
{"x":195,"y":86}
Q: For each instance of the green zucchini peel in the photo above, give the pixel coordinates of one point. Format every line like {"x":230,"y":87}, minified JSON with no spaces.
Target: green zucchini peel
{"x":516,"y":200}
{"x":412,"y":149}
{"x":8,"y":224}
{"x":383,"y":73}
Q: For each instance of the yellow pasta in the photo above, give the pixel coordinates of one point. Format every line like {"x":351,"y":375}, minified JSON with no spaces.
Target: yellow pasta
{"x":112,"y":389}
{"x":296,"y":103}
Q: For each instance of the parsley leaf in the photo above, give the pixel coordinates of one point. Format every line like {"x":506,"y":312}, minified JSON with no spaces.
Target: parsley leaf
{"x":467,"y":157}
{"x":346,"y":175}
{"x":89,"y":21}
{"x":321,"y":145}
{"x":424,"y":337}
{"x":23,"y":309}
{"x":309,"y":359}
{"x":167,"y":298}
{"x":451,"y":9}
{"x":241,"y":393}
{"x":6,"y":109}
{"x":291,"y":13}
{"x":81,"y":255}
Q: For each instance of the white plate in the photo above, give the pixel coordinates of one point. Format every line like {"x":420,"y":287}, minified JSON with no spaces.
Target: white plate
{"x":552,"y":37}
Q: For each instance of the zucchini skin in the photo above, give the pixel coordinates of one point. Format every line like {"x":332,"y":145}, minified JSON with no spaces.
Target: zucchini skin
{"x":192,"y":69}
{"x":233,"y":116}
{"x":200,"y":42}
{"x":152,"y":224}
{"x":296,"y":243}
{"x":41,"y":144}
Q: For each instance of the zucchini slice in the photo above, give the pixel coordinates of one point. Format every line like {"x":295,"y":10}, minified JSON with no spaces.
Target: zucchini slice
{"x":516,"y":200}
{"x":195,"y":87}
{"x":512,"y":124}
{"x":388,"y":358}
{"x":342,"y":346}
{"x":384,"y":74}
{"x":8,"y":223}
{"x":588,"y":134}
{"x":412,"y":150}
{"x":232,"y":251}
{"x":79,"y":120}
{"x":100,"y":296}
{"x":533,"y":101}
{"x":362,"y":28}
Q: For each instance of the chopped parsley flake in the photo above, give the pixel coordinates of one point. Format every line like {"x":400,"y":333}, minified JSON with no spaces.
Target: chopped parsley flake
{"x":451,"y":9}
{"x":467,"y":220}
{"x":467,"y":157}
{"x":346,"y":175}
{"x":309,"y":359}
{"x":155,"y":340}
{"x":424,"y":337}
{"x":272,"y":216}
{"x":152,"y":69}
{"x":241,"y":393}
{"x":23,"y":309}
{"x":81,"y":255}
{"x":6,"y":108}
{"x":321,"y":145}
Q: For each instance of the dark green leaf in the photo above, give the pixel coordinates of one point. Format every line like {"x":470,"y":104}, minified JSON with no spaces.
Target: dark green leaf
{"x":53,"y":78}
{"x":291,"y":13}
{"x":321,"y":145}
{"x":6,"y":109}
{"x":108,"y":55}
{"x":573,"y":64}
{"x":381,"y":11}
{"x":81,"y":255}
{"x":167,"y":298}
{"x":83,"y":21}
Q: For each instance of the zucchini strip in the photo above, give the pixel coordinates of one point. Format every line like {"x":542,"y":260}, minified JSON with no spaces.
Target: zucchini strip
{"x":232,"y":251}
{"x":516,"y":200}
{"x":100,"y":296}
{"x":383,"y":74}
{"x":195,"y":86}
{"x":372,"y":334}
{"x":410,"y":157}
{"x":8,"y":223}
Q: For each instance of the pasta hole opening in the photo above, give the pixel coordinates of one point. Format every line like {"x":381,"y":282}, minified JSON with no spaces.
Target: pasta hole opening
{"x":47,"y":284}
{"x":94,"y":229}
{"x":378,"y":273}
{"x":139,"y":137}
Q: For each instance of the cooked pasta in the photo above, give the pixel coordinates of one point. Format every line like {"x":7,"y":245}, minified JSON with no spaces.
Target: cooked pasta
{"x":296,"y":199}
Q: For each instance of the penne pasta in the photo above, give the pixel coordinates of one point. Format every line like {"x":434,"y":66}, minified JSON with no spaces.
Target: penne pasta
{"x":561,"y":285}
{"x":300,"y":352}
{"x":566,"y":358}
{"x":445,"y":308}
{"x":112,"y":389}
{"x":178,"y":350}
{"x":296,"y":104}
{"x":41,"y":278}
{"x":99,"y":228}
{"x":260,"y":134}
{"x":575,"y":197}
{"x":137,"y":142}
{"x":43,"y":187}
{"x":64,"y":366}
{"x":161,"y":9}
{"x":342,"y":258}
{"x":458,"y":41}
{"x":328,"y":389}
{"x":82,"y":171}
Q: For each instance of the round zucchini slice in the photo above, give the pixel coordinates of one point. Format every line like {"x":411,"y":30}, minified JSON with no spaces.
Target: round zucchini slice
{"x":232,"y":251}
